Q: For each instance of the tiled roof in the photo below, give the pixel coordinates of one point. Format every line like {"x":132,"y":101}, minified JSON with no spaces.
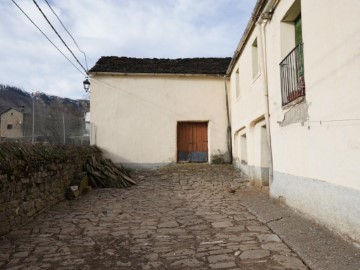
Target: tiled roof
{"x":113,"y":64}
{"x":9,"y":108}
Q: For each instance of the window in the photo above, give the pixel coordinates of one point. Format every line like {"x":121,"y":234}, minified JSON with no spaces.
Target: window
{"x":243,"y":149}
{"x":240,"y":147}
{"x":255,"y":59}
{"x":9,"y":126}
{"x":237,"y":83}
{"x":292,"y":66}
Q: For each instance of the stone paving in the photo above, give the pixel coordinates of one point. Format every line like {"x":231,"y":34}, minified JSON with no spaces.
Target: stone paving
{"x":178,"y":217}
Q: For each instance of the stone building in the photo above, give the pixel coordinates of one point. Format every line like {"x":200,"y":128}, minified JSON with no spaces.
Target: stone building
{"x":12,"y":123}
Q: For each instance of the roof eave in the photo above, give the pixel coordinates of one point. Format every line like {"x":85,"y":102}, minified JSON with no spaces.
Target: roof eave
{"x":156,"y":74}
{"x":10,"y":108}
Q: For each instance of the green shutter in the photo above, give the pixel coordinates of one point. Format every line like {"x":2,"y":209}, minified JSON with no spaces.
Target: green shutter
{"x":298,"y":31}
{"x":300,"y":52}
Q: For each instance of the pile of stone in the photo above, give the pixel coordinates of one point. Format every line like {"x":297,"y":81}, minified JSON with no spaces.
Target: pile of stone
{"x":103,"y":173}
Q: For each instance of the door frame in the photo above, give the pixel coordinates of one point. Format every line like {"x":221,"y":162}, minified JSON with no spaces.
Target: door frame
{"x":208,"y":137}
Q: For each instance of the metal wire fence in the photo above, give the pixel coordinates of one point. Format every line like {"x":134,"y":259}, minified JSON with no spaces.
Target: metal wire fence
{"x":60,"y":124}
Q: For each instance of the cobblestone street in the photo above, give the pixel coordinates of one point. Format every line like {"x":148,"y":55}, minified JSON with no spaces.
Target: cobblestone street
{"x":178,"y":217}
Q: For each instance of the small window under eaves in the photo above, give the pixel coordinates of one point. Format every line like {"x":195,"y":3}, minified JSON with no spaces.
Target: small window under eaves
{"x":255,"y":59}
{"x":237,"y":83}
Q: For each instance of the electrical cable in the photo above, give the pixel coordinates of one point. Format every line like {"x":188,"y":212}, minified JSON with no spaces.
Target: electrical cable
{"x":47,"y":37}
{"x":334,"y":120}
{"x":68,"y":33}
{"x":59,"y":36}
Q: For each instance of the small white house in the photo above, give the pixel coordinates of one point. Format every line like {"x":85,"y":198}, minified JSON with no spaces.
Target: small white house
{"x":152,"y":112}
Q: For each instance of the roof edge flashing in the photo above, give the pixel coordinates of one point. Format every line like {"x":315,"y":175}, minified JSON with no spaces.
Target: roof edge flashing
{"x":156,"y":74}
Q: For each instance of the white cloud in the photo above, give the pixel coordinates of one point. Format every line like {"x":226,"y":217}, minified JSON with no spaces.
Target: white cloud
{"x":153,"y":28}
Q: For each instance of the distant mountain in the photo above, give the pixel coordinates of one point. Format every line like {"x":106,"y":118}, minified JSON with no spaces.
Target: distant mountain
{"x":53,"y":115}
{"x":11,"y":96}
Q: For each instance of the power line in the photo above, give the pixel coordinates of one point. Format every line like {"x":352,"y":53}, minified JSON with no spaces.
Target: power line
{"x":59,"y":36}
{"x":47,"y":37}
{"x":334,"y":120}
{"x":69,"y":34}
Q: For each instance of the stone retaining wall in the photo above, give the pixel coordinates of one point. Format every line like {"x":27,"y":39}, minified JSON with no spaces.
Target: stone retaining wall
{"x":35,"y":177}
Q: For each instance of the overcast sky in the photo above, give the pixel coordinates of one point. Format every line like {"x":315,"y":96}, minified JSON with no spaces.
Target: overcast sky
{"x":133,"y":28}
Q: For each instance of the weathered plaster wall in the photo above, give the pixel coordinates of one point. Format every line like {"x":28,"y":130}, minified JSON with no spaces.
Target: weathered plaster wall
{"x":135,"y":117}
{"x":33,"y":178}
{"x":247,"y":114}
{"x":326,"y":146}
{"x":316,"y":147}
{"x":333,"y":205}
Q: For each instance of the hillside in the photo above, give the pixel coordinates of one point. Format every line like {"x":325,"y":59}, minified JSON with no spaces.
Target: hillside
{"x":11,"y":96}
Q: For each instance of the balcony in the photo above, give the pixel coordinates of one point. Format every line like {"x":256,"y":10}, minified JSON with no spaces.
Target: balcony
{"x":292,"y":75}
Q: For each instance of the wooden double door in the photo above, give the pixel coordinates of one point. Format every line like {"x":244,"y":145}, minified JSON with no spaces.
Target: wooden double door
{"x":192,"y":141}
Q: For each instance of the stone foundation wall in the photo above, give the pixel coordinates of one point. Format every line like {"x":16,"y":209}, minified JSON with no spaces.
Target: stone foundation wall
{"x":35,"y":177}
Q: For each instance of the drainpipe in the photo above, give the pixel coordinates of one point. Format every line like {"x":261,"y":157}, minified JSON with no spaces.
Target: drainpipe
{"x":266,"y":97}
{"x":262,"y":21}
{"x":229,"y":141}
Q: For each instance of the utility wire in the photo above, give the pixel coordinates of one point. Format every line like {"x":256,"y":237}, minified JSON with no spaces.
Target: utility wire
{"x":69,"y":34}
{"x":60,"y":36}
{"x":47,"y":37}
{"x":334,"y":120}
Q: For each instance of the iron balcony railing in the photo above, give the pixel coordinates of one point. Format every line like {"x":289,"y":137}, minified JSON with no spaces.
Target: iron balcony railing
{"x":292,"y":75}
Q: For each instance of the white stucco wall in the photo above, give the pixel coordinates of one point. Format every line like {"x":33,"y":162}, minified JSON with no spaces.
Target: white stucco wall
{"x":87,"y":124}
{"x":316,"y":164}
{"x":315,"y":160}
{"x":247,"y":109}
{"x":135,"y":117}
{"x":324,"y":148}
